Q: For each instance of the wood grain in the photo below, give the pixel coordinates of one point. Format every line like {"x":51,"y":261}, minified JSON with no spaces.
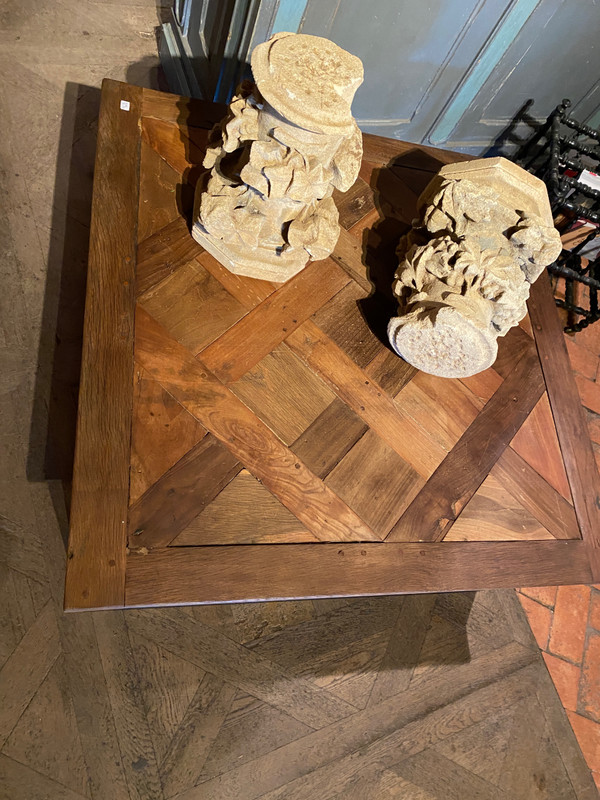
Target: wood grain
{"x":245,"y":512}
{"x":536,"y":442}
{"x":295,"y":383}
{"x":131,"y":724}
{"x":179,"y":303}
{"x":569,"y":418}
{"x":181,"y":494}
{"x":444,"y":409}
{"x":284,"y":393}
{"x":162,"y":433}
{"x":375,"y":482}
{"x":215,"y":574}
{"x":390,"y":372}
{"x":536,"y":495}
{"x":354,"y":204}
{"x":380,"y":150}
{"x":276,"y":317}
{"x":327,"y":440}
{"x":215,"y":652}
{"x":348,"y":253}
{"x":439,"y":504}
{"x":158,"y":201}
{"x":343,"y":320}
{"x":163,"y":253}
{"x":182,"y":111}
{"x":96,"y":552}
{"x":183,"y":762}
{"x":493,"y":513}
{"x":366,"y":398}
{"x":247,"y":291}
{"x":172,"y":145}
{"x":249,"y":439}
{"x":27,"y":667}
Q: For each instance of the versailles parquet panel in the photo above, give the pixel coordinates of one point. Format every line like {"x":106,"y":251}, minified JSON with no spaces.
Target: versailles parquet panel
{"x":265,"y":415}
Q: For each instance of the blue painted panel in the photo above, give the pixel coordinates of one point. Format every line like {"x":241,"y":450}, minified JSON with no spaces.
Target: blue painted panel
{"x":555,"y":55}
{"x":491,"y":55}
{"x":453,"y":72}
{"x":289,"y":15}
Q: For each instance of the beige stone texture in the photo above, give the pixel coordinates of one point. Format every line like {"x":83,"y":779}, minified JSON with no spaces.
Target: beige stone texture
{"x":483,"y":235}
{"x":265,"y":209}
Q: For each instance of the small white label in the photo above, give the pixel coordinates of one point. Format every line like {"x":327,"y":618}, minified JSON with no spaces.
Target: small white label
{"x":125,"y":105}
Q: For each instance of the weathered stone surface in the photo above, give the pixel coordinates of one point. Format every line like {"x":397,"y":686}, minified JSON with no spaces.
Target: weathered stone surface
{"x":288,"y":140}
{"x":483,"y":235}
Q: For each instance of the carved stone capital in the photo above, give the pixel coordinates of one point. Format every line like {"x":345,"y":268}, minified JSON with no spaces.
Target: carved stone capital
{"x":287,"y":141}
{"x":484,"y":234}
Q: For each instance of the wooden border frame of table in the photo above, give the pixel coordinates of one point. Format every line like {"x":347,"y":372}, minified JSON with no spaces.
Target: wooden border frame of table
{"x":100,"y":573}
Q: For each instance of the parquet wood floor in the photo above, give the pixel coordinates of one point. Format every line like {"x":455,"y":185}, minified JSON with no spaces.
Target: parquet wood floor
{"x":93,"y":706}
{"x":415,"y":697}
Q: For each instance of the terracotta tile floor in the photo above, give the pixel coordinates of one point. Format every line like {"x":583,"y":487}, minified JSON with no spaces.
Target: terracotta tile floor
{"x":566,"y":620}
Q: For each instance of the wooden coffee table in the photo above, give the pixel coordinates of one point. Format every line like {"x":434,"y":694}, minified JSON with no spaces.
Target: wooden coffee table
{"x":240,"y":440}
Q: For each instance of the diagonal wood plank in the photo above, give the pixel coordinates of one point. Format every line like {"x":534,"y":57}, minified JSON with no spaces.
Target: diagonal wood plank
{"x":537,"y":443}
{"x":181,"y":494}
{"x":131,"y":724}
{"x":172,"y":145}
{"x":366,"y":398}
{"x":95,"y":722}
{"x":315,"y":750}
{"x":390,"y":372}
{"x":334,"y":775}
{"x":159,"y":204}
{"x":181,"y":302}
{"x":354,"y":204}
{"x":249,"y":439}
{"x":284,"y":393}
{"x":191,"y":744}
{"x":495,"y":514}
{"x":349,"y":255}
{"x":375,"y":482}
{"x":245,"y":512}
{"x":217,"y":654}
{"x":404,"y":647}
{"x":327,"y":440}
{"x":268,"y":324}
{"x":569,"y":417}
{"x":432,"y":513}
{"x":444,"y":779}
{"x":19,"y":782}
{"x":46,"y":737}
{"x":248,"y":291}
{"x":162,"y":432}
{"x":538,"y":497}
{"x":26,"y":668}
{"x":163,"y":253}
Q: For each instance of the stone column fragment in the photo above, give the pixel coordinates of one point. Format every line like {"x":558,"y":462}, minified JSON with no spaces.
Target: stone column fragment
{"x":287,"y":141}
{"x":483,"y":235}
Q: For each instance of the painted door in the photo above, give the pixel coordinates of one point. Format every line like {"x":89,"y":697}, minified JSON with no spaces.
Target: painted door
{"x":452,"y":73}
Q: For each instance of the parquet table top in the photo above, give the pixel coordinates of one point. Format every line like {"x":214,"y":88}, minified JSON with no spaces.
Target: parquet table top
{"x":243,"y":440}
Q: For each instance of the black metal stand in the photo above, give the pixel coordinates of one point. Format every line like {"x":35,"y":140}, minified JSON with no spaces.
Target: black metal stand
{"x":559,"y":147}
